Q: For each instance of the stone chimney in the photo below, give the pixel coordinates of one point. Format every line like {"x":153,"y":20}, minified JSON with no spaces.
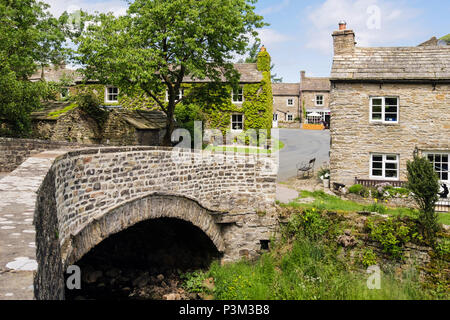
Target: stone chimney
{"x":302,"y":75}
{"x":343,"y":40}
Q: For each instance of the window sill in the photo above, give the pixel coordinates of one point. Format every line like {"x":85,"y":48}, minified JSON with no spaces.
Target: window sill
{"x":380,"y":123}
{"x":383,"y":179}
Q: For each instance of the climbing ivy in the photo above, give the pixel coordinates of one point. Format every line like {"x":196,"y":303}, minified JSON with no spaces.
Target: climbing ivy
{"x":209,"y":102}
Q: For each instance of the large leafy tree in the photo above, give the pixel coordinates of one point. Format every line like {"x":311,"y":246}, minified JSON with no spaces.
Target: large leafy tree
{"x":160,"y":42}
{"x":29,"y":38}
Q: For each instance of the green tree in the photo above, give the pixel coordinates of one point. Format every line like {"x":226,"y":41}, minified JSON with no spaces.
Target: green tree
{"x":160,"y":42}
{"x":424,"y":184}
{"x":29,"y":38}
{"x":252,"y":57}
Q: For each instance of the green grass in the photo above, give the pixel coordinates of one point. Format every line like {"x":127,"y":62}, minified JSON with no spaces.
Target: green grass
{"x":332,"y":203}
{"x":308,"y":271}
{"x":57,"y":114}
{"x":278,"y":146}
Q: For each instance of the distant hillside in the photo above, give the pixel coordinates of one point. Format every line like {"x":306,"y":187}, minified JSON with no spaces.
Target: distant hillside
{"x":446,"y":38}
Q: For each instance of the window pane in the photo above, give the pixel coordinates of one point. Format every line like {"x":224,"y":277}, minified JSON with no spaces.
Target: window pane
{"x":376,"y":109}
{"x":377,"y":158}
{"x":430,"y":157}
{"x":391,"y":174}
{"x":391,"y":101}
{"x":445,"y":158}
{"x":391,"y":166}
{"x":376,"y":116}
{"x":444,"y":176}
{"x":391,"y":117}
{"x":391,"y":158}
{"x":377,"y":173}
{"x":377,"y":165}
{"x":377,"y":102}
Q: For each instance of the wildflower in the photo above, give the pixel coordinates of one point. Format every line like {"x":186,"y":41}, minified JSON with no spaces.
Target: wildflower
{"x":376,"y":200}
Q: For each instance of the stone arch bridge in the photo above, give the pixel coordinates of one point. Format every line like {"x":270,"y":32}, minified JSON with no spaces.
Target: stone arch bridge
{"x":58,"y":205}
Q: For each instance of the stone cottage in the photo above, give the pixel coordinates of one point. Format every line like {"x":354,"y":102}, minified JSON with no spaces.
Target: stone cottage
{"x":314,"y":99}
{"x":286,"y":105}
{"x":388,"y":104}
{"x":248,"y":106}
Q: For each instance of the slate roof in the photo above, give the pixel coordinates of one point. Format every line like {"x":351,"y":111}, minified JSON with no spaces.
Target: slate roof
{"x":315,"y":84}
{"x":248,"y":71}
{"x":144,"y":120}
{"x":286,"y":89}
{"x":56,"y":74}
{"x":396,"y":63}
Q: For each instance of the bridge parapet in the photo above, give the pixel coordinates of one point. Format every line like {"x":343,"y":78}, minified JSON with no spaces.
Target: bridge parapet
{"x":92,"y":181}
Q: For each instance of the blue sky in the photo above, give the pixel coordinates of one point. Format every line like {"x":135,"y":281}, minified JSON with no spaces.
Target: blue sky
{"x":299,"y":35}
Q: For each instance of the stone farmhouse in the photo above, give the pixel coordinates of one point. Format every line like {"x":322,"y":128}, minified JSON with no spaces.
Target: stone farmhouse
{"x":286,"y":105}
{"x":306,"y":102}
{"x":314,"y":100}
{"x":249,"y":106}
{"x":388,"y":104}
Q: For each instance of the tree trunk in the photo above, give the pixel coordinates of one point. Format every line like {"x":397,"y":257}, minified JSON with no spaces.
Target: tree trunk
{"x":170,"y":126}
{"x":167,"y":140}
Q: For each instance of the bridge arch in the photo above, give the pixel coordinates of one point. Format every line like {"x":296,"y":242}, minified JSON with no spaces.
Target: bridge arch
{"x":130,"y":213}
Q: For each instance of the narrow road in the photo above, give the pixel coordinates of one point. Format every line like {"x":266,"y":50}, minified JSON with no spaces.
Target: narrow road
{"x":300,"y":146}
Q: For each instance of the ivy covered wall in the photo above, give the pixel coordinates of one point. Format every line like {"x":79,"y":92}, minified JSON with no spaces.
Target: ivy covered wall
{"x":209,"y":102}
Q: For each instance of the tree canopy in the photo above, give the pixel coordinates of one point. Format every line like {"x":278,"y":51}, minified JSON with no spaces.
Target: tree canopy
{"x":160,"y":42}
{"x":29,"y":38}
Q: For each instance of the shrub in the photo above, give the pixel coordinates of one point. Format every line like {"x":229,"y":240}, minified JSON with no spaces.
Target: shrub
{"x":193,"y":282}
{"x":424,"y":184}
{"x":391,"y":234}
{"x":356,"y":189}
{"x":369,"y":258}
{"x":311,"y":223}
{"x":90,"y":104}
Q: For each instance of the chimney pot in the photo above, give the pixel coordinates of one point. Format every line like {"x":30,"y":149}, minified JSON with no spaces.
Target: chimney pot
{"x":342,"y":25}
{"x":263,"y":49}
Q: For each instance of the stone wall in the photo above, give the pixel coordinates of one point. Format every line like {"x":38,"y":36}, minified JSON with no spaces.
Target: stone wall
{"x":308,"y":100}
{"x":13,"y":152}
{"x":424,"y":122}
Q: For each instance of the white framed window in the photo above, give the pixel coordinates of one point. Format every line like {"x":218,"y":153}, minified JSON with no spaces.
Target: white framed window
{"x":290,"y":117}
{"x":180,"y":95}
{"x":319,"y":100}
{"x":384,"y":166}
{"x":275,"y":117}
{"x":237,"y":122}
{"x":111,"y":94}
{"x":440,"y":163}
{"x":237,"y":96}
{"x":290,"y":102}
{"x":384,"y":109}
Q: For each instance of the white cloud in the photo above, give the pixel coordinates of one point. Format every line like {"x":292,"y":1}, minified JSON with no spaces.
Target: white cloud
{"x":396,"y":22}
{"x":269,"y":37}
{"x":276,"y":8}
{"x":57,"y":7}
